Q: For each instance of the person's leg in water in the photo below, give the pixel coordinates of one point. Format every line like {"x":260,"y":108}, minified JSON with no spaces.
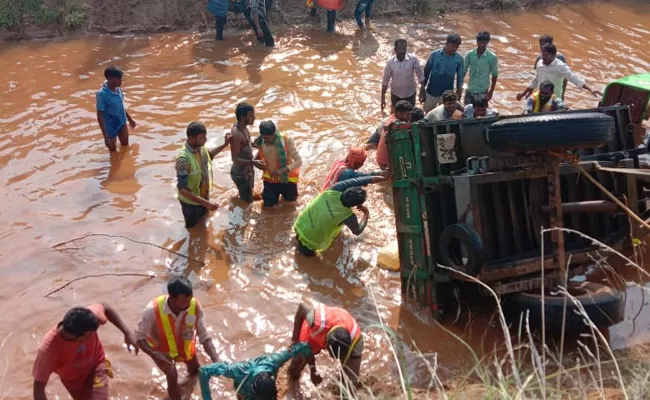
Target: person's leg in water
{"x":249,"y":17}
{"x":363,"y":6}
{"x":271,"y":194}
{"x":221,"y":23}
{"x":369,"y":12}
{"x":331,"y":20}
{"x":304,"y":250}
{"x":123,"y":135}
{"x":268,"y":36}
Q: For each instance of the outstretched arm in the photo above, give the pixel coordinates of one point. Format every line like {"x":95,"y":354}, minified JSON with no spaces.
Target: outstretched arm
{"x":298,"y":319}
{"x":114,"y":318}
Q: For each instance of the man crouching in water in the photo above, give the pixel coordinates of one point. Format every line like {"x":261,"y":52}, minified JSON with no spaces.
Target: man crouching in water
{"x":331,"y":328}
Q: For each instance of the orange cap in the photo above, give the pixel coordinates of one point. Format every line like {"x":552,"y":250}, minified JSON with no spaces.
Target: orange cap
{"x":357,"y":155}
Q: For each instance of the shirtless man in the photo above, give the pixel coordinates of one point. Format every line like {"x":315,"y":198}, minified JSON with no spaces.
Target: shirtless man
{"x":241,"y":149}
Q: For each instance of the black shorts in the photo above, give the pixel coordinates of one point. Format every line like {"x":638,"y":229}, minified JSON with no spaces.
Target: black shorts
{"x":304,"y":250}
{"x":272,"y":192}
{"x":244,"y":187}
{"x":192,"y":214}
{"x":394,"y":99}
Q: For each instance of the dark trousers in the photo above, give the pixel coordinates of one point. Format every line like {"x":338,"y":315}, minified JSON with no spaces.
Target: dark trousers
{"x":304,"y":250}
{"x":267,"y":38}
{"x":221,"y":23}
{"x":272,"y":191}
{"x":394,"y":99}
{"x":192,"y":213}
{"x":363,"y":6}
{"x":331,"y":20}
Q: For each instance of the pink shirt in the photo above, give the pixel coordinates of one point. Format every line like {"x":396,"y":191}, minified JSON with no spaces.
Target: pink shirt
{"x":401,"y":75}
{"x":72,"y":361}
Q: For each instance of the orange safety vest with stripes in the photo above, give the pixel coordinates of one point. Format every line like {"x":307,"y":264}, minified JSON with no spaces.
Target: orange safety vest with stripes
{"x":327,"y":319}
{"x":169,"y":337}
{"x":292,"y":175}
{"x":537,"y":104}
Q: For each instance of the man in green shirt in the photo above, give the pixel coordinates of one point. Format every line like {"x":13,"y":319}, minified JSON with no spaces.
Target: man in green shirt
{"x":481,"y":64}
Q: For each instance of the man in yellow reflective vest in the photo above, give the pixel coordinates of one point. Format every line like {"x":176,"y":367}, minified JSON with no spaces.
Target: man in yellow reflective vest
{"x":282,"y":161}
{"x":194,"y":174}
{"x":544,"y":100}
{"x":168,"y":331}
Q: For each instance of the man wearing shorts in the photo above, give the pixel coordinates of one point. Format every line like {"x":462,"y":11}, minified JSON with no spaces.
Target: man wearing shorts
{"x":241,"y":150}
{"x":73,"y":351}
{"x":111,"y":115}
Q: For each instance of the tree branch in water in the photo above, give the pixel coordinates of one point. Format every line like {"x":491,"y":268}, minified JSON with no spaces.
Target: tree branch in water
{"x":150,"y":276}
{"x":58,"y":245}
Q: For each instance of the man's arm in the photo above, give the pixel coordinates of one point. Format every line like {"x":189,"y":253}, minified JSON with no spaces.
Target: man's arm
{"x":460,"y":76}
{"x":417,"y":68}
{"x":296,"y":160}
{"x":353,"y":223}
{"x":114,"y":318}
{"x":530,"y":105}
{"x":226,"y":141}
{"x":204,"y":337}
{"x":208,"y":371}
{"x":39,"y":390}
{"x":495,"y":77}
{"x":355,"y":182}
{"x":100,"y":121}
{"x":427,"y":73}
{"x":131,"y":120}
{"x":388,"y":74}
{"x":298,"y":319}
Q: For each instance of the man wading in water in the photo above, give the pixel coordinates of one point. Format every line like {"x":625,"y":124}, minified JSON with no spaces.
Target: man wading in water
{"x":73,"y":351}
{"x":194,"y":174}
{"x":111,"y":115}
{"x":241,"y":150}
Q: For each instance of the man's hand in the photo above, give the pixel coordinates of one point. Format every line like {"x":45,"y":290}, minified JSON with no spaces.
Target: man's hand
{"x":279,"y":172}
{"x":596,"y":93}
{"x":130,"y":340}
{"x":422,"y":96}
{"x":260,"y":34}
{"x":457,"y":115}
{"x":162,"y":361}
{"x":212,"y":206}
{"x":489,"y":96}
{"x":315,"y":378}
{"x":383,"y":104}
{"x":132,"y":123}
{"x":387,"y":173}
{"x":227,"y":138}
{"x":260,"y":164}
{"x":520,"y":95}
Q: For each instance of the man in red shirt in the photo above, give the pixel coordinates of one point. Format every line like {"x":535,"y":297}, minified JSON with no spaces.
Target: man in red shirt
{"x":73,"y":351}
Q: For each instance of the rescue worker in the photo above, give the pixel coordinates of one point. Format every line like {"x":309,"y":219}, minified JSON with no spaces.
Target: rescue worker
{"x":194,"y":174}
{"x":282,"y":165}
{"x":168,"y":332}
{"x":544,"y":100}
{"x":72,"y":350}
{"x":403,"y":113}
{"x":253,"y":379}
{"x":323,"y":218}
{"x":331,"y":328}
{"x":416,"y":115}
{"x":348,"y":168}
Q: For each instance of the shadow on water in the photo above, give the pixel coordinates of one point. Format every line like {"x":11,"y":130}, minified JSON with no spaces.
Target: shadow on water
{"x":110,"y":50}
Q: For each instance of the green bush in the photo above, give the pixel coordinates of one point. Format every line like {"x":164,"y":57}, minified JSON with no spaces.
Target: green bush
{"x":73,"y":19}
{"x":9,"y":14}
{"x":66,"y":12}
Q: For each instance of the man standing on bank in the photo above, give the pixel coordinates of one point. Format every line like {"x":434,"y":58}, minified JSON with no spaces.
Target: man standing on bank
{"x":443,"y":67}
{"x":194,"y":174}
{"x":73,"y":351}
{"x":168,"y":331}
{"x":282,"y":160}
{"x":241,"y":151}
{"x":399,"y":72}
{"x":111,"y":114}
{"x":481,"y":64}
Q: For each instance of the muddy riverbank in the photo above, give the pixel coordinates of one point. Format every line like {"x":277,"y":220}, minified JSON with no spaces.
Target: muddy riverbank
{"x":58,"y":182}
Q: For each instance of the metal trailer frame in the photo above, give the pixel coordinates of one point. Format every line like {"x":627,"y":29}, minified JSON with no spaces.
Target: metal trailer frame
{"x":507,"y":198}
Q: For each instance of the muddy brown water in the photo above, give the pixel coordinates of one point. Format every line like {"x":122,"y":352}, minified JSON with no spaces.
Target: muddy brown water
{"x":58,"y":182}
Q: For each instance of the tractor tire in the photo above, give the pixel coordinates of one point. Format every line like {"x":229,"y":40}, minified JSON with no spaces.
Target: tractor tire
{"x":604,"y":305}
{"x":551,"y":132}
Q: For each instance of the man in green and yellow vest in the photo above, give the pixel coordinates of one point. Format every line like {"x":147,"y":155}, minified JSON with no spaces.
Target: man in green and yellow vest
{"x":544,"y":100}
{"x":323,"y":218}
{"x":282,"y":160}
{"x":168,"y":331}
{"x":194,"y":174}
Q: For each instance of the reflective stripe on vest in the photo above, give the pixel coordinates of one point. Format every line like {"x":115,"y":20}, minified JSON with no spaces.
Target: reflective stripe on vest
{"x":326,"y":319}
{"x":547,"y":107}
{"x":168,"y":335}
{"x":292,"y":175}
{"x":195,"y":172}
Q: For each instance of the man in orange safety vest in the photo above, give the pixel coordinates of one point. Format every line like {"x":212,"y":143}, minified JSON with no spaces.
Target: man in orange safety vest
{"x":168,"y":331}
{"x":331,"y":328}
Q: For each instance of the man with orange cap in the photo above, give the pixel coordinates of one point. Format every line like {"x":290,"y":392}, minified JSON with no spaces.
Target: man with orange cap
{"x":348,"y":168}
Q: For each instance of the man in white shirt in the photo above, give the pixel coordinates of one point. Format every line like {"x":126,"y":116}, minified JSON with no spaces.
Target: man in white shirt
{"x":552,"y":69}
{"x":400,"y":72}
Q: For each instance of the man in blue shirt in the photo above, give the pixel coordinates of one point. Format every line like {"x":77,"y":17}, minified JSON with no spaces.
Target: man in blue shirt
{"x":111,"y":114}
{"x":441,"y":68}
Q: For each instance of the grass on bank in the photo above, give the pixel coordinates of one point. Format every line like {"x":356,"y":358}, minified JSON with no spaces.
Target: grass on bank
{"x":15,"y":13}
{"x":524,"y":367}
